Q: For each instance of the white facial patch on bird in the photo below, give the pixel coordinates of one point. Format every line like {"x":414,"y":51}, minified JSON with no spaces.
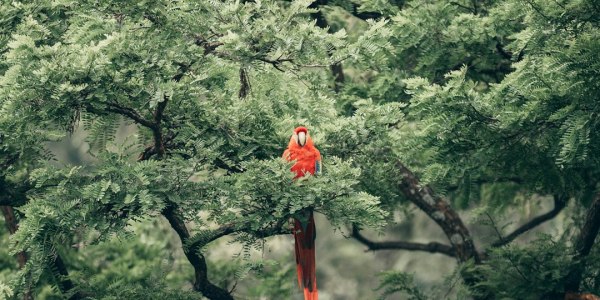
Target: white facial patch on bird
{"x":301,"y":138}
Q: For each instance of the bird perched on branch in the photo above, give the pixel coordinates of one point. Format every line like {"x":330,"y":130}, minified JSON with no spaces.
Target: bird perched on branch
{"x":307,"y":158}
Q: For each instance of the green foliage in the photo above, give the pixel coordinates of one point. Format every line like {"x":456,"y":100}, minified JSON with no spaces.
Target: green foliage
{"x":99,"y":65}
{"x":147,"y":255}
{"x":273,"y":281}
{"x":265,"y":194}
{"x":533,"y":124}
{"x":393,"y":282}
{"x":488,"y":102}
{"x":266,"y":278}
{"x":527,"y":273}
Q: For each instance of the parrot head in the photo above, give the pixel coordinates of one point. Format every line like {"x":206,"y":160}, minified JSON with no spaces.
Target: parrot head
{"x":300,"y":136}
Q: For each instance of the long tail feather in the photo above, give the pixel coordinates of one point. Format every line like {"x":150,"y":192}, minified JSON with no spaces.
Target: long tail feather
{"x":304,"y":246}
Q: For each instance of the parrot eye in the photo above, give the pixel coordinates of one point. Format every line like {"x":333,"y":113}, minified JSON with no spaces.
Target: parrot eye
{"x":301,"y":138}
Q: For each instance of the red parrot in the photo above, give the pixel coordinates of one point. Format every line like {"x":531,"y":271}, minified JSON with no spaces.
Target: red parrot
{"x":301,"y":149}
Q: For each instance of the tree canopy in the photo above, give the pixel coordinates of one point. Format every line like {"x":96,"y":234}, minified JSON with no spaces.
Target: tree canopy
{"x":470,"y":112}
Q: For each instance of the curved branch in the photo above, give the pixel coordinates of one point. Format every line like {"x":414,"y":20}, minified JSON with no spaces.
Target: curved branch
{"x":364,"y":15}
{"x":432,"y":247}
{"x":236,"y":228}
{"x":196,"y":258}
{"x":127,"y":112}
{"x":500,"y":48}
{"x":121,"y":110}
{"x":560,"y":203}
{"x":171,"y":213}
{"x":440,"y":211}
{"x":590,"y":229}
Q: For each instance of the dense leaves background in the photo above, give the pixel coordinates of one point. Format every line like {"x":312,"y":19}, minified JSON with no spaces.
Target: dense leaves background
{"x":140,"y":147}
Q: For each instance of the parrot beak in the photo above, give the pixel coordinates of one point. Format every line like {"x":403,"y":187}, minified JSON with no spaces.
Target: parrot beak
{"x":301,"y":138}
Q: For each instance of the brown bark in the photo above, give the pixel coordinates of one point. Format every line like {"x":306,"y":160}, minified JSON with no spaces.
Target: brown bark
{"x":449,"y":221}
{"x":195,"y":257}
{"x":432,"y":247}
{"x":440,"y":212}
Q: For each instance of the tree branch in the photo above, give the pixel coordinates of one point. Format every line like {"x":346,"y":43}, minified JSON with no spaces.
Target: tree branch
{"x":470,"y":9}
{"x":590,"y":229}
{"x":228,"y":229}
{"x":560,"y":203}
{"x":156,"y":129}
{"x":9,"y":201}
{"x":448,"y":219}
{"x":171,"y":213}
{"x":245,"y":82}
{"x":61,"y":274}
{"x":439,"y":211}
{"x":127,"y":112}
{"x":230,"y":169}
{"x":432,"y":247}
{"x":198,"y":261}
{"x":505,"y":54}
{"x":209,"y":47}
{"x":17,"y":196}
{"x":338,"y":76}
{"x":121,"y":110}
{"x":364,"y":15}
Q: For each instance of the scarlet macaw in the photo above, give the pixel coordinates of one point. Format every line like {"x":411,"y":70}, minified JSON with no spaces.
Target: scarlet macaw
{"x":307,"y":160}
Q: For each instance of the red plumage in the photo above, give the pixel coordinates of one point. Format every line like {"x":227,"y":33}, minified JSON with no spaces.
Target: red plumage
{"x":307,"y":160}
